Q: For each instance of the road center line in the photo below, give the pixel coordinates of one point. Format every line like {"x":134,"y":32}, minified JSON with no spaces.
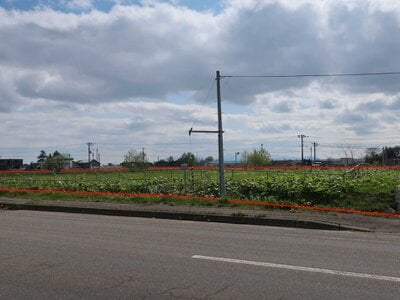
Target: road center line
{"x":297,"y":268}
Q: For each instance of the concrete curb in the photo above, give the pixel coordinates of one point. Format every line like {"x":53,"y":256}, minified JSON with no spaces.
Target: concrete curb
{"x":292,"y":223}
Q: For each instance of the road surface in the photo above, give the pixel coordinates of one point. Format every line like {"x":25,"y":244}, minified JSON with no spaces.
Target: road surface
{"x":47,"y":255}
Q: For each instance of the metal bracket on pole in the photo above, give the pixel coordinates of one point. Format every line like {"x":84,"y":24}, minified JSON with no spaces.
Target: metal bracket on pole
{"x":202,"y":131}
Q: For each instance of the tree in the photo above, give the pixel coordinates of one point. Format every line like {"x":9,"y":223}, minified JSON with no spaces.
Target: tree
{"x":372,"y":156}
{"x":386,"y":156}
{"x":348,"y":153}
{"x":206,"y":161}
{"x":135,"y":160}
{"x":55,"y":161}
{"x":188,"y":158}
{"x":41,"y":159}
{"x":256,"y":157}
{"x":390,"y":155}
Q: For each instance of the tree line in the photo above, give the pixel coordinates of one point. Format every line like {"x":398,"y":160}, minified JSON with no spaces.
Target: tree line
{"x":134,"y":159}
{"x":384,"y":156}
{"x":51,"y":161}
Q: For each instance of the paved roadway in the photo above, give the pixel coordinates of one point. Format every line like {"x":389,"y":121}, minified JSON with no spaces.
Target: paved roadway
{"x":70,"y":256}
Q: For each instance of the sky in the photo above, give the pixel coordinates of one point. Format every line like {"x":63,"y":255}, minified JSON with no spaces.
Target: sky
{"x":127,"y":74}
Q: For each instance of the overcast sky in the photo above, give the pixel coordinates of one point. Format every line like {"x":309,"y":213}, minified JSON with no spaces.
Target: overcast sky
{"x":132,"y":74}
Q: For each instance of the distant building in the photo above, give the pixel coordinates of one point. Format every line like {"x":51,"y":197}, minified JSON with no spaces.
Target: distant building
{"x":85,"y":165}
{"x":285,"y":162}
{"x":11,"y":164}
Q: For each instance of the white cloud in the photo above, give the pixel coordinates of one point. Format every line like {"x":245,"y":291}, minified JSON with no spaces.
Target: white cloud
{"x":79,"y":4}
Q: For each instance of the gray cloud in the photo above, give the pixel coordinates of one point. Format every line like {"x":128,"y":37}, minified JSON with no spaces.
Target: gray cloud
{"x":367,"y":45}
{"x":283,"y":107}
{"x":395,"y":105}
{"x":327,"y":104}
{"x":372,"y":106}
{"x":277,"y":128}
{"x":360,"y":123}
{"x":152,"y":51}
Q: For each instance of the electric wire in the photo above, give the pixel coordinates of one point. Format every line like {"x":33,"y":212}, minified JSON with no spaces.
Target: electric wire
{"x":315,"y":75}
{"x":204,"y":102}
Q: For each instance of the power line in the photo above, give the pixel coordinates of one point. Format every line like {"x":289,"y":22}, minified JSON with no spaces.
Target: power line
{"x":315,"y":75}
{"x":205,"y":100}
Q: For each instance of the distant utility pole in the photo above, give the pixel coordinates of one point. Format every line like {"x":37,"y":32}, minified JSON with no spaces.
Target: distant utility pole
{"x":236,"y":154}
{"x":89,"y":144}
{"x":143,"y":158}
{"x":302,"y":136}
{"x":315,"y":150}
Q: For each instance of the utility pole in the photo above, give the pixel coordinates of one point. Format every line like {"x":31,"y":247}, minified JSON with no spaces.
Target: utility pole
{"x":89,"y":144}
{"x":222,"y":189}
{"x":236,"y":154}
{"x":143,"y":157}
{"x":383,"y":156}
{"x":302,"y":136}
{"x":315,"y":150}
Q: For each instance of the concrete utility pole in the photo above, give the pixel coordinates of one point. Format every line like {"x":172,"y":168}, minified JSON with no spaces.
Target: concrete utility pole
{"x":89,"y":144}
{"x":302,"y":136}
{"x":222,"y":189}
{"x":315,"y":150}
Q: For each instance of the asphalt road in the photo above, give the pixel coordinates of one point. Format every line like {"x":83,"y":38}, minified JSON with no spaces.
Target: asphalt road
{"x":69,"y":256}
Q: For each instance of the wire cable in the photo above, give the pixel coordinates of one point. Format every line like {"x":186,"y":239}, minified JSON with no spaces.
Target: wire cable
{"x":204,"y":102}
{"x":314,"y":75}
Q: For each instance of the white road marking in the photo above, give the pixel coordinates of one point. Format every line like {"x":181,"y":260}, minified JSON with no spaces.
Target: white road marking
{"x":297,"y":268}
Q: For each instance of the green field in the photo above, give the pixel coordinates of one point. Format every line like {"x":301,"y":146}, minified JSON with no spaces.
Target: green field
{"x":366,"y":189}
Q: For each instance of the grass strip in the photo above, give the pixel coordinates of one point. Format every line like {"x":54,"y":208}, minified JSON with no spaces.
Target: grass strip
{"x":197,"y":200}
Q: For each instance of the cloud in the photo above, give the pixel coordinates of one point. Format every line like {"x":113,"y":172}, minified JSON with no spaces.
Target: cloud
{"x":395,"y":104}
{"x":153,"y":50}
{"x":327,"y":104}
{"x":283,"y":107}
{"x":115,"y":71}
{"x":372,"y":106}
{"x":79,"y":4}
{"x":361,"y":124}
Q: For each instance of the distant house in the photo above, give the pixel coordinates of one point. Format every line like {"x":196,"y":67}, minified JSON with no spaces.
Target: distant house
{"x":94,"y":163}
{"x":85,"y":165}
{"x":11,"y":164}
{"x":285,"y":162}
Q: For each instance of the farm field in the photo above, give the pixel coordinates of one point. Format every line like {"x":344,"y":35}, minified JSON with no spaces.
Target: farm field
{"x":370,"y":189}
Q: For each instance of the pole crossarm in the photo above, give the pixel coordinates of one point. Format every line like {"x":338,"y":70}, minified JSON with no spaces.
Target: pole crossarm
{"x":202,"y":131}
